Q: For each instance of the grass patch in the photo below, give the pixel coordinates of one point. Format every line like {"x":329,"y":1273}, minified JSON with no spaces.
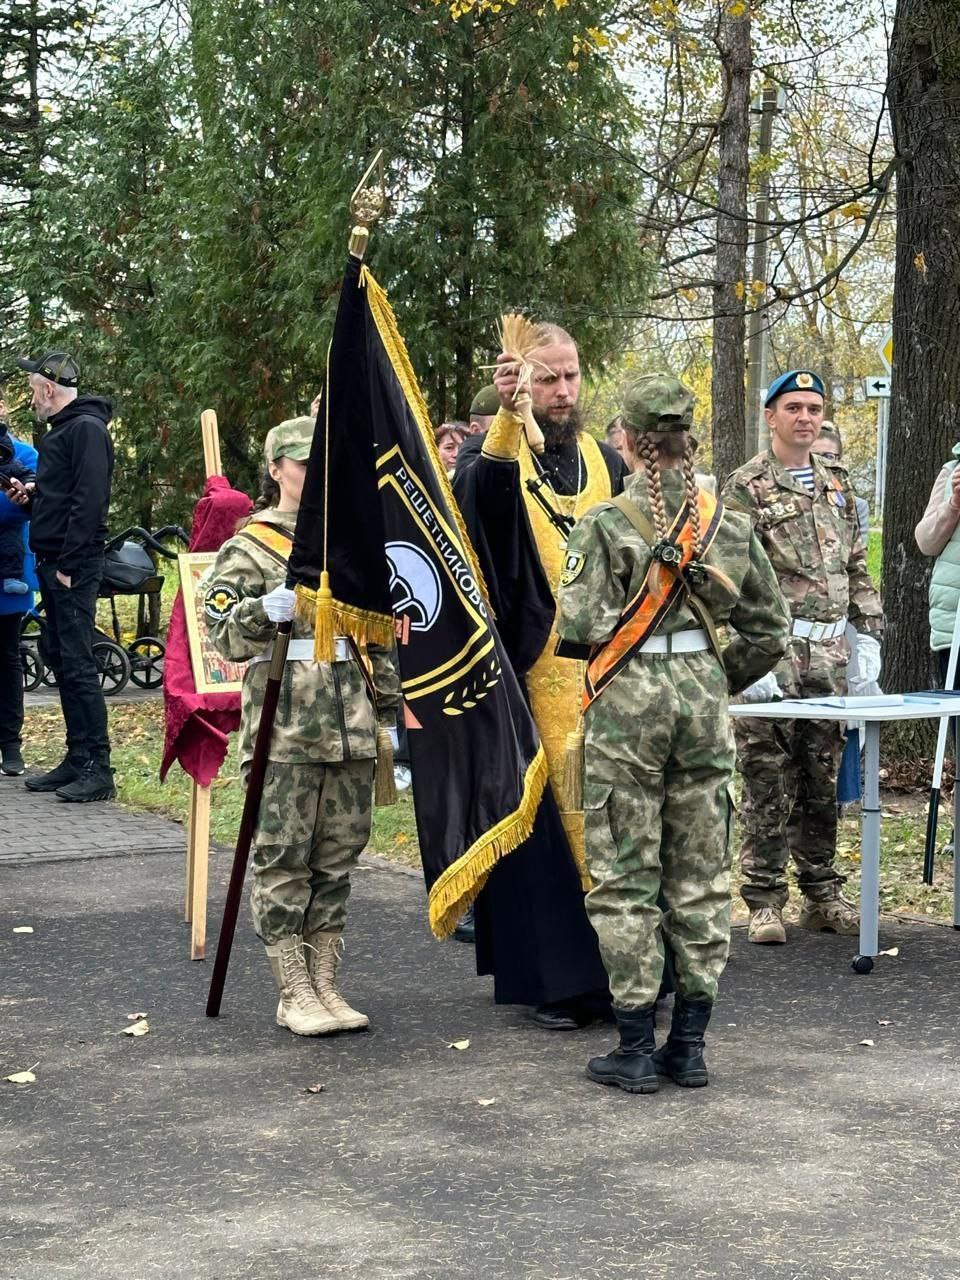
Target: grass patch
{"x":136,"y":731}
{"x":875,"y":556}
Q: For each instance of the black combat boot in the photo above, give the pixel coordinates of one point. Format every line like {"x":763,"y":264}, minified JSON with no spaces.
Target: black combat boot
{"x":629,"y":1066}
{"x":681,"y":1058}
{"x":68,"y":770}
{"x":94,"y":782}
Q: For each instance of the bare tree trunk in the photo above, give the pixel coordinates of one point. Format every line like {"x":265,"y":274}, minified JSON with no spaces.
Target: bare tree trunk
{"x":924,"y":91}
{"x":729,"y":326}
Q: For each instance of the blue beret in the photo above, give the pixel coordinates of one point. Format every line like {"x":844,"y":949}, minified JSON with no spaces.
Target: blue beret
{"x":795,"y":380}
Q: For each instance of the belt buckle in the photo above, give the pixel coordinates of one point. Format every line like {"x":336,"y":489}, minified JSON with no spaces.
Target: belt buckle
{"x":819,"y":632}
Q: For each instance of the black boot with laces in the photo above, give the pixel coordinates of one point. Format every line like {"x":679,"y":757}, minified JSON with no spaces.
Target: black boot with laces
{"x":94,"y":782}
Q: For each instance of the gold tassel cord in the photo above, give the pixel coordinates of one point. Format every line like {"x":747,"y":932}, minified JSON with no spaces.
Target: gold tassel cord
{"x":324,"y":647}
{"x":456,"y":889}
{"x":384,"y":787}
{"x":365,"y":626}
{"x":573,"y":770}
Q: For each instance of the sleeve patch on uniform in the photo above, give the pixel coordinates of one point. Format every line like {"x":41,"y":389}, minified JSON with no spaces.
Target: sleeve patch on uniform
{"x":572,"y":567}
{"x":219,"y":601}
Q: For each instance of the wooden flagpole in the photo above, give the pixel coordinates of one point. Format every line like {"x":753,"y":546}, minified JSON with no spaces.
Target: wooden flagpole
{"x":198,"y":822}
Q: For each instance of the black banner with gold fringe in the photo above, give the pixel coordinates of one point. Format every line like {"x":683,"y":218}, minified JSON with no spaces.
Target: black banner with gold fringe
{"x":380,"y":553}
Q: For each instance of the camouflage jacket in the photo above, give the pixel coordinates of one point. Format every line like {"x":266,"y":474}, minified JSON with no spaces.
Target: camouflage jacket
{"x":814,"y":543}
{"x":608,"y":561}
{"x":324,"y":714}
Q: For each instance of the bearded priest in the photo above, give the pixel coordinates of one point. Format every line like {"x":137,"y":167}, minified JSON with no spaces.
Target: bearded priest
{"x":519,"y":503}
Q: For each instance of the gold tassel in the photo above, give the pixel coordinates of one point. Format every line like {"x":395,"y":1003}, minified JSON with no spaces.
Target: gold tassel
{"x":572,"y":790}
{"x":323,"y":645}
{"x":384,"y":787}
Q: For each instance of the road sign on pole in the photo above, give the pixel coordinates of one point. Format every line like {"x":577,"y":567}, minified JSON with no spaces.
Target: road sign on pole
{"x":877,"y":387}
{"x":885,"y":351}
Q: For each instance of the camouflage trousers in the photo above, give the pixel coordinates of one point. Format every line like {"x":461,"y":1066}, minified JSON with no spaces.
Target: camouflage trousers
{"x":314,"y":820}
{"x":789,"y":767}
{"x":658,"y":809}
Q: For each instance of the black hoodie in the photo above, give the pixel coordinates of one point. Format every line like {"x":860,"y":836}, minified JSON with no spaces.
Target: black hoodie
{"x":68,"y":516}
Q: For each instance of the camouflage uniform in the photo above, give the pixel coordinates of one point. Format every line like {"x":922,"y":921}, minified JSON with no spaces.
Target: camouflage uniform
{"x":659,"y":748}
{"x":789,"y":767}
{"x":315,"y":813}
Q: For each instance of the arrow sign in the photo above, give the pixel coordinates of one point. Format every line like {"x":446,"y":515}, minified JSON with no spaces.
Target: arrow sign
{"x":877,"y":388}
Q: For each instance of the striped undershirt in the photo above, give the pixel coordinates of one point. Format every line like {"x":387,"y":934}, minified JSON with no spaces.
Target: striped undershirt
{"x":804,"y":475}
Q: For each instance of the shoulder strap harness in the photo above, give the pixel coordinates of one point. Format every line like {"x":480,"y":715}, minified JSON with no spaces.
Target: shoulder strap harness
{"x":647,"y":610}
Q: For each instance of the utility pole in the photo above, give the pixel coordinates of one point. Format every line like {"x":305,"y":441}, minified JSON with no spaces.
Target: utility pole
{"x":771,"y":101}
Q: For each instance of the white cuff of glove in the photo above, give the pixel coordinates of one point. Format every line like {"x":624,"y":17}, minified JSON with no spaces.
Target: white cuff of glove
{"x":394,"y":739}
{"x":279,"y":604}
{"x":868,"y":658}
{"x":765,"y":689}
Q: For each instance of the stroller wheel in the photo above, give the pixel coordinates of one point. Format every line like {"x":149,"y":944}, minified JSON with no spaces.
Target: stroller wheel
{"x":146,"y":662}
{"x":113,"y":666}
{"x":33,"y":668}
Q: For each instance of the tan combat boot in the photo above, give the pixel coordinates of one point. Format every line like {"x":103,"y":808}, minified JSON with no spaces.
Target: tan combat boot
{"x":833,"y":915}
{"x":324,"y":951}
{"x":299,"y":1009}
{"x":766,"y":926}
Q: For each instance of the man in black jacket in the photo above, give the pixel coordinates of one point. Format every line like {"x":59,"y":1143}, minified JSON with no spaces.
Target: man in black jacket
{"x":68,"y":529}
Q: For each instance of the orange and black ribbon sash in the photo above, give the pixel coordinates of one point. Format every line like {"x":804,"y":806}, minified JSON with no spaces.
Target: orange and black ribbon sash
{"x":649,"y":607}
{"x":274,"y":540}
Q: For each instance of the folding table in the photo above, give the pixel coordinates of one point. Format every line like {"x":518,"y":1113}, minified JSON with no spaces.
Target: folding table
{"x":872,"y":712}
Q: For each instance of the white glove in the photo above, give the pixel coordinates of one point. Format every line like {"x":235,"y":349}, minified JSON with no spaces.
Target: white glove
{"x":765,"y":689}
{"x":279,"y":603}
{"x":868,"y":658}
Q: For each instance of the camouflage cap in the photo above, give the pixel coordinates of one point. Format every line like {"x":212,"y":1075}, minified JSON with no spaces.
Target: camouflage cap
{"x":290,"y":439}
{"x":658,"y":402}
{"x":486,"y":403}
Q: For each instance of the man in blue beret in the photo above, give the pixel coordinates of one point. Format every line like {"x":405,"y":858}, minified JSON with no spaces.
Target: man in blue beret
{"x":804,"y":512}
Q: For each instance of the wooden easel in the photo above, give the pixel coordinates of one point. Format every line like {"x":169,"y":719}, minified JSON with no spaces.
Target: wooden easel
{"x":198,"y":821}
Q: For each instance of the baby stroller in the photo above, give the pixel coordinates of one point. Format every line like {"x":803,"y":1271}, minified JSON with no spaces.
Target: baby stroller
{"x":128,"y":570}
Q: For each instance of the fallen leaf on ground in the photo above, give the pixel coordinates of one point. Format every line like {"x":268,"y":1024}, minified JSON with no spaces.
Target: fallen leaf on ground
{"x":135,"y":1017}
{"x":891,"y":951}
{"x":23,"y":928}
{"x":136,"y":1028}
{"x":884,"y":1022}
{"x":486,"y":1102}
{"x":459,"y":1044}
{"x":315,"y":1088}
{"x":868,"y":1043}
{"x":21,"y":1077}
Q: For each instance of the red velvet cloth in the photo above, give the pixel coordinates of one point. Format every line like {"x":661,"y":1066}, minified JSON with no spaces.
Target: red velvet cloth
{"x":197,"y":725}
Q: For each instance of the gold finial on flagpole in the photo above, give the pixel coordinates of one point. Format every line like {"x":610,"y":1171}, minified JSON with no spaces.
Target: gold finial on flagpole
{"x":367,"y":203}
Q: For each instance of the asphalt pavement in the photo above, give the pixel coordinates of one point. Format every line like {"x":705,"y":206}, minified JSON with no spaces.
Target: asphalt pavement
{"x":196,"y":1150}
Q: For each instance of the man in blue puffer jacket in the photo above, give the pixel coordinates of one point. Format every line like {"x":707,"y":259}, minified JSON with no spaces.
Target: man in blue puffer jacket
{"x":13,"y":605}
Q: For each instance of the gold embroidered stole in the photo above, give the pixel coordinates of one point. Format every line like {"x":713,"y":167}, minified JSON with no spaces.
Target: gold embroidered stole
{"x":555,"y":684}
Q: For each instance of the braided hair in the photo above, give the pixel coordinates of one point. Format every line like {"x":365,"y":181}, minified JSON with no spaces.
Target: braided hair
{"x":648,"y":448}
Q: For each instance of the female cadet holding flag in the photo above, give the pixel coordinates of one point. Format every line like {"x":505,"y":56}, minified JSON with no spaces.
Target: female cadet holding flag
{"x":648,"y":576}
{"x":315,"y":811}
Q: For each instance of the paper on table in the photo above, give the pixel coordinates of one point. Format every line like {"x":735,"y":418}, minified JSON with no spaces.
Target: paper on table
{"x":860,"y":703}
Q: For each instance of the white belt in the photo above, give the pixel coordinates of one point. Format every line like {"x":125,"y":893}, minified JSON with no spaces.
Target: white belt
{"x":302,"y":651}
{"x":693,"y":641}
{"x":817,"y":631}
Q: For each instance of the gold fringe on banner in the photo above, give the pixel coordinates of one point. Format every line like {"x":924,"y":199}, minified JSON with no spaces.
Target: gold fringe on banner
{"x":454,"y":891}
{"x":365,"y":626}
